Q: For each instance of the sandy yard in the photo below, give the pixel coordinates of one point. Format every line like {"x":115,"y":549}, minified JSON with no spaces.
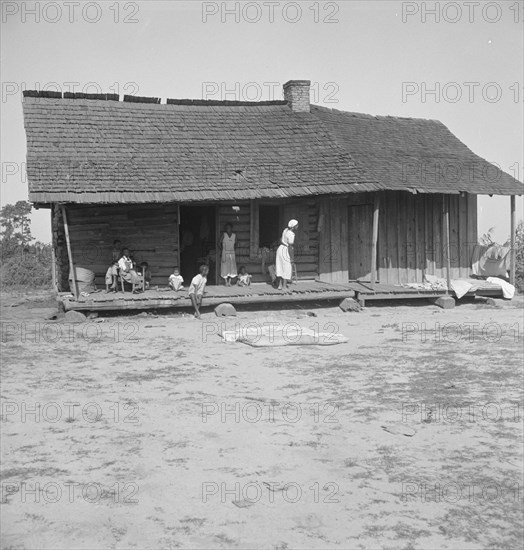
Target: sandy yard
{"x":150,"y":432}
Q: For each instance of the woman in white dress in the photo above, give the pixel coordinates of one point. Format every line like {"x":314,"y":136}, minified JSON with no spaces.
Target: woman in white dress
{"x":286,"y":255}
{"x":228,"y":267}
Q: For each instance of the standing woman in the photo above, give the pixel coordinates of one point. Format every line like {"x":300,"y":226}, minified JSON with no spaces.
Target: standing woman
{"x":228,"y":268}
{"x":286,"y":255}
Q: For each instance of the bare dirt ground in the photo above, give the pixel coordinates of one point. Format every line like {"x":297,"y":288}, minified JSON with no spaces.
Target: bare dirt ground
{"x":150,"y":432}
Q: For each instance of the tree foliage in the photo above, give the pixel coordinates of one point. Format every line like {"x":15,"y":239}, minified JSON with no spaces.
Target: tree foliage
{"x":519,"y":252}
{"x":24,"y":262}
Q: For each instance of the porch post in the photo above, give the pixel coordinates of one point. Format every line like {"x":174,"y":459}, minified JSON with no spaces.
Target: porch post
{"x":513,"y":252}
{"x":445,"y":200}
{"x":69,"y":253}
{"x":53,"y":256}
{"x":376,"y":208}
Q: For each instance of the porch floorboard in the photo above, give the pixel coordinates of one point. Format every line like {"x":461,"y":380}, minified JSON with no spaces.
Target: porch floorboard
{"x":214,"y":295}
{"x":259,"y":293}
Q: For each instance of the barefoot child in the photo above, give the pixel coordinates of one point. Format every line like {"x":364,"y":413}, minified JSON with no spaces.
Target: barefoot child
{"x":197,"y":287}
{"x":244,"y":279}
{"x":176,"y":280}
{"x":111,"y":276}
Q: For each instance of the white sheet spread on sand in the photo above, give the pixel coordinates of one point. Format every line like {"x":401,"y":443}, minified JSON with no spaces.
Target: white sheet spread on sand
{"x":275,"y":334}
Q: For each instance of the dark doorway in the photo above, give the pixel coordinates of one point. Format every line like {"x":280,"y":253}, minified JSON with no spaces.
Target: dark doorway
{"x":269,"y":226}
{"x":197,"y":238}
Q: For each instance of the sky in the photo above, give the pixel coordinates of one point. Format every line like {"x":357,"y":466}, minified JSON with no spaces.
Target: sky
{"x":458,"y":62}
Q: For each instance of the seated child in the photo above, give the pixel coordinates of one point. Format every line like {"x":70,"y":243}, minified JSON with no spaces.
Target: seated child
{"x":144,"y":268}
{"x":197,"y":287}
{"x":244,"y":279}
{"x":176,"y":280}
{"x":111,"y":277}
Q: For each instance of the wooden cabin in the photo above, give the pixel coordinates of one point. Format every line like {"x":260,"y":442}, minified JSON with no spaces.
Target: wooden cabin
{"x":378,"y":199}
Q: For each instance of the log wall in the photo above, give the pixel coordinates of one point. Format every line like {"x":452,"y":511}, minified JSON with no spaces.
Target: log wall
{"x":306,"y":242}
{"x":410,"y":237}
{"x":149,"y":231}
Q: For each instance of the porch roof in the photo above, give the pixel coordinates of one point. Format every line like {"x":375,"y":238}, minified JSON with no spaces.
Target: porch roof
{"x":106,"y":151}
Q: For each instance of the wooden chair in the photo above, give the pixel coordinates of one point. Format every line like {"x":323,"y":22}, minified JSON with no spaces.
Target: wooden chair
{"x":134,"y":286}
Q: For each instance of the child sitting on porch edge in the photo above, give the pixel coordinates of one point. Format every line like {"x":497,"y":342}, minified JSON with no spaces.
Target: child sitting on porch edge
{"x":176,"y":280}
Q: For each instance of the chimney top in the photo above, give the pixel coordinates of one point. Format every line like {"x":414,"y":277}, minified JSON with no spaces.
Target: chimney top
{"x":296,"y":93}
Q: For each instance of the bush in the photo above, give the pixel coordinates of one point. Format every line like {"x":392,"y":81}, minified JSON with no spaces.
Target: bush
{"x":519,"y":267}
{"x":30,"y":267}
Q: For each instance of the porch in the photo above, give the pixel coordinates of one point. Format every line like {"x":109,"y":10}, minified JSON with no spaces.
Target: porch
{"x":258,"y":293}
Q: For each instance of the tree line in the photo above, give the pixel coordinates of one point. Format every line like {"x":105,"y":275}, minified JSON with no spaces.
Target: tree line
{"x":24,"y":260}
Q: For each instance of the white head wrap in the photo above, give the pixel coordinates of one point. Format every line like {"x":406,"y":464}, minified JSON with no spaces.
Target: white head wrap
{"x":292,"y":223}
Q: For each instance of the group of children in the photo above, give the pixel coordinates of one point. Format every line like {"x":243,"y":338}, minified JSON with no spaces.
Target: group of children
{"x":176,"y":280}
{"x":124,"y":267}
{"x":198,"y":284}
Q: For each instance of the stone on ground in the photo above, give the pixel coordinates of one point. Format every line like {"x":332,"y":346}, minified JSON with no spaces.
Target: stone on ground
{"x":349,"y":304}
{"x":486,"y":301}
{"x":225,"y":310}
{"x":75,"y":317}
{"x":445,"y":302}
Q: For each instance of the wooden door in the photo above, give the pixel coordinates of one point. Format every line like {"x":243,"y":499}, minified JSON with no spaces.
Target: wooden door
{"x":360,"y":232}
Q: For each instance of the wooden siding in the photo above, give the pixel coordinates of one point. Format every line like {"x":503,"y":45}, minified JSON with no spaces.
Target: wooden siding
{"x":149,"y":231}
{"x":411,"y":236}
{"x":333,"y":241}
{"x":304,"y":210}
{"x":360,"y":229}
{"x":331,"y":231}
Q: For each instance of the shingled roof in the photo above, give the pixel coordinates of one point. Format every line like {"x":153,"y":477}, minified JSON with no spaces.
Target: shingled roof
{"x":91,"y":150}
{"x":416,"y":154}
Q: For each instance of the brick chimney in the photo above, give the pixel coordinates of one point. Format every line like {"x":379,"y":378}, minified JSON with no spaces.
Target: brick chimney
{"x":296,"y":93}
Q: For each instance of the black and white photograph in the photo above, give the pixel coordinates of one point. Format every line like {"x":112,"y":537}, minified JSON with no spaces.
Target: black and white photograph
{"x":262,"y":275}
